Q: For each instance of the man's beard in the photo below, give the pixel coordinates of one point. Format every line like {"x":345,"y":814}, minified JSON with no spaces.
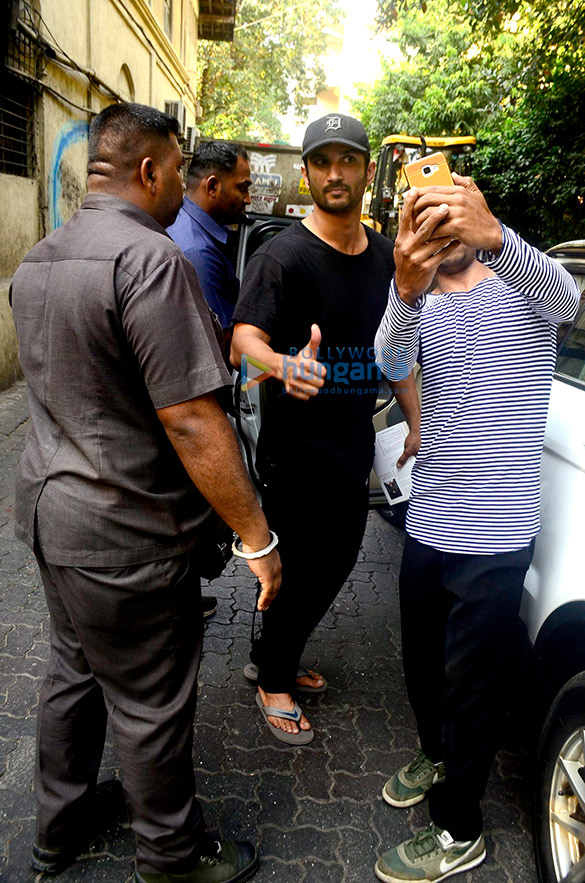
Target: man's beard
{"x":340,"y":205}
{"x":457,"y":262}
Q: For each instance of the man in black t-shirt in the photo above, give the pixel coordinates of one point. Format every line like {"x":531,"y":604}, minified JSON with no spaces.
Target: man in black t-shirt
{"x":310,"y":303}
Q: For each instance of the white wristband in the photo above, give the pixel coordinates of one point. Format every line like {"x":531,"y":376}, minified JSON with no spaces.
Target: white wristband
{"x":260,"y":553}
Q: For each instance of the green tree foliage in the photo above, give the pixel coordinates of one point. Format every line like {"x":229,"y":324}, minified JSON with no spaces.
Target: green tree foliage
{"x":531,"y":156}
{"x":446,"y":84}
{"x":531,"y":167}
{"x":273,"y":63}
{"x":532,"y":164}
{"x":563,"y":17}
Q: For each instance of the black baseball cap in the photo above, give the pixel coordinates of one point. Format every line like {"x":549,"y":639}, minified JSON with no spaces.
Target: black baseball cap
{"x":335,"y":128}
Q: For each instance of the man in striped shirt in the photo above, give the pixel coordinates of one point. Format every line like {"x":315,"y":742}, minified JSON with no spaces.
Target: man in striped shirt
{"x":485,"y":338}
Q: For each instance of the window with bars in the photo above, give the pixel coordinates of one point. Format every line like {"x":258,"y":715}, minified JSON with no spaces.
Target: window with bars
{"x":22,"y":54}
{"x":17,"y":104}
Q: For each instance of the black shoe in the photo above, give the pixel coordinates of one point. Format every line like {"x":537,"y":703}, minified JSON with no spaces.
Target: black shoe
{"x":209,"y":605}
{"x":108,"y":807}
{"x":223,"y":861}
{"x":53,"y":861}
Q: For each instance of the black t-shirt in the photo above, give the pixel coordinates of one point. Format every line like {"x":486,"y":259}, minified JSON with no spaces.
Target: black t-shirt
{"x":291,"y":282}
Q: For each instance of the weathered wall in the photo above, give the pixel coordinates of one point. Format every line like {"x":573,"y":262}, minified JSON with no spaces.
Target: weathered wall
{"x":20,"y":220}
{"x":9,"y":365}
{"x":124,"y":43}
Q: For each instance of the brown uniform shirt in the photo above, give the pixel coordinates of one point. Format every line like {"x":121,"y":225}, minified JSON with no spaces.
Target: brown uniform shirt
{"x":111,"y":325}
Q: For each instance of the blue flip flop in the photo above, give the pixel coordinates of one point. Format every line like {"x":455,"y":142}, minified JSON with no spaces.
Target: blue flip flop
{"x":251,"y":674}
{"x":303,"y":737}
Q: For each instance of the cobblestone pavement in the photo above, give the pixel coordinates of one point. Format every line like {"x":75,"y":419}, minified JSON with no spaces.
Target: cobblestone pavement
{"x":316,"y":811}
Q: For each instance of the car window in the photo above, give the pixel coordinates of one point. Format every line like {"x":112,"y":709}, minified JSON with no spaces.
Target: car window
{"x":580,"y":280}
{"x":564,"y":327}
{"x":255,"y":233}
{"x":571,"y":352}
{"x":260,"y":235}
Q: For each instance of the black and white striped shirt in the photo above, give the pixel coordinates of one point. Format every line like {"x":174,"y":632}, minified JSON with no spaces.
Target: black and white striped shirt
{"x":488,"y":358}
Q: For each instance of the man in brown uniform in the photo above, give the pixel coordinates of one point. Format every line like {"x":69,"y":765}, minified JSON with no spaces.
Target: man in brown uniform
{"x":128,"y":447}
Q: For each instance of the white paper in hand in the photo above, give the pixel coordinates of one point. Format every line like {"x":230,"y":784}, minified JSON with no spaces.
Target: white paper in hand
{"x":396,"y":483}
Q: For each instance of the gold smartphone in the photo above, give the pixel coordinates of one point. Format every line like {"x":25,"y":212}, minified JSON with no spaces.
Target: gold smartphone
{"x":432,"y":170}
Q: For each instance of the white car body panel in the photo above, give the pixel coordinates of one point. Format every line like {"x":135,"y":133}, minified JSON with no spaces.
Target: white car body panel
{"x":557,"y":574}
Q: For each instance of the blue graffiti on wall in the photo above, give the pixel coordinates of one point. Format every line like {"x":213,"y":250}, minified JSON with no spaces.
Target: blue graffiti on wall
{"x":71,"y":133}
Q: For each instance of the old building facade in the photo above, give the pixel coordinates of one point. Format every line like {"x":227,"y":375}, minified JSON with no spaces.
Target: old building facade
{"x":61,"y":62}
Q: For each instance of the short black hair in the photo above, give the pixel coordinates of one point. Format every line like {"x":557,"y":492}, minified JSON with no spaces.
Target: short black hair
{"x":119,"y":134}
{"x":214,"y":156}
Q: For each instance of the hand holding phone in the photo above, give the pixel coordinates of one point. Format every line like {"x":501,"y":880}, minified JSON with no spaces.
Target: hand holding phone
{"x":468,"y":218}
{"x":430,"y":171}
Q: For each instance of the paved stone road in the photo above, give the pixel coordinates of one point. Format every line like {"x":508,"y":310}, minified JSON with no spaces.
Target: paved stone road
{"x":316,"y":812}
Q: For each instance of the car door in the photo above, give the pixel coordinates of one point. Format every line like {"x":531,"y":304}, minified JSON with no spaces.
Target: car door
{"x":553,"y":608}
{"x":555,"y":577}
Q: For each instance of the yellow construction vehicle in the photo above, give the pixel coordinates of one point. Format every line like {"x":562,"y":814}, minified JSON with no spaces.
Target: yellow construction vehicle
{"x":390,"y":181}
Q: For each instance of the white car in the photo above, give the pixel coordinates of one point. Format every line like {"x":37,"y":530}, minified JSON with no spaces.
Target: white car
{"x":553,"y":606}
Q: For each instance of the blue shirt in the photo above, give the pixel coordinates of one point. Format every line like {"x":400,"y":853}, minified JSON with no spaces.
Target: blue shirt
{"x":205,"y":243}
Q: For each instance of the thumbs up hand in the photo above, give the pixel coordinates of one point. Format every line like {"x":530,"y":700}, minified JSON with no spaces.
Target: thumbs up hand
{"x":303,"y":375}
{"x":314,"y":342}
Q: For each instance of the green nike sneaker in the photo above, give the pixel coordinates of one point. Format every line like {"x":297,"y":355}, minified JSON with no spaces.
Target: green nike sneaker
{"x":430,"y":856}
{"x":410,"y":784}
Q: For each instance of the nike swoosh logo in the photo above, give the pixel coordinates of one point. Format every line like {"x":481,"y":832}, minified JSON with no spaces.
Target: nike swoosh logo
{"x":449,"y":862}
{"x":446,"y":864}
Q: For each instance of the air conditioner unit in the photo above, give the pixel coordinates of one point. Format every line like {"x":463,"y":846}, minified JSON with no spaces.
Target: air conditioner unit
{"x":192,"y":136}
{"x":177,"y":109}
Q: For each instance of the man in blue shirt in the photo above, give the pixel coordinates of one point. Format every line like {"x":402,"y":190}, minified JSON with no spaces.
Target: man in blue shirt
{"x":218,"y":181}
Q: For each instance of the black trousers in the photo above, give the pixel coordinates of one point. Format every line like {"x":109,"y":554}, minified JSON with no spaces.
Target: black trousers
{"x":320,"y":520}
{"x":124,"y":641}
{"x":459,"y":616}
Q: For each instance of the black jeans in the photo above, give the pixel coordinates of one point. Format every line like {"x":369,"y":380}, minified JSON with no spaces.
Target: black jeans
{"x":320,"y":521}
{"x":124,"y":641}
{"x":459,"y":616}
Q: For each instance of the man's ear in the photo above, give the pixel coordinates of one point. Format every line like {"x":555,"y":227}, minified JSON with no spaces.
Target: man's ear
{"x":148,"y":174}
{"x":305,"y":174}
{"x":212,"y":184}
{"x":370,"y":172}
